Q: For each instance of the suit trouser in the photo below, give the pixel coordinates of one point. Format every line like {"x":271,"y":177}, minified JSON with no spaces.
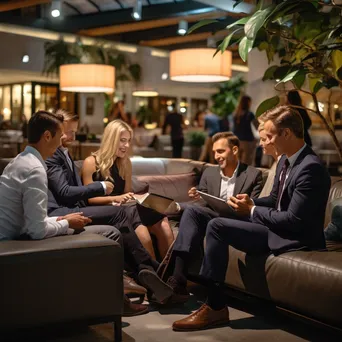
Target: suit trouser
{"x":251,"y":238}
{"x":134,"y":252}
{"x":177,"y":147}
{"x":107,"y":231}
{"x":192,"y":229}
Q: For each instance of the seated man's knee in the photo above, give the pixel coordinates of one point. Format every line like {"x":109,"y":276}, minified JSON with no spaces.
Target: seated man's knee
{"x":215,"y":225}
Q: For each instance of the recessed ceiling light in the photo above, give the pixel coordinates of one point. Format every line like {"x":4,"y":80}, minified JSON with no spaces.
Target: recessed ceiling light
{"x":26,"y":59}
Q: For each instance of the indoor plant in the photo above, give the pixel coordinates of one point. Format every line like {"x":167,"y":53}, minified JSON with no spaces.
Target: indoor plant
{"x":305,"y":34}
{"x":196,"y":140}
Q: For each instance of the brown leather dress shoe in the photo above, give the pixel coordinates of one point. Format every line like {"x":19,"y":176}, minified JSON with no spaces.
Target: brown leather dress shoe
{"x":204,"y":318}
{"x":131,"y":309}
{"x":132,"y":288}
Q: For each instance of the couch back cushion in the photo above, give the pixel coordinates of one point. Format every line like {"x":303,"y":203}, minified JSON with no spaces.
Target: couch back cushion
{"x":173,"y":186}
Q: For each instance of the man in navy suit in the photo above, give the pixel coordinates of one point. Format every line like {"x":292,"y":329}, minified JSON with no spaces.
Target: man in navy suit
{"x":67,"y":194}
{"x":290,"y":218}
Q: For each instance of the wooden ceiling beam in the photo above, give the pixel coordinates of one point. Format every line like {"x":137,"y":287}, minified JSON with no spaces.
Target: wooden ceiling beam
{"x":149,"y":24}
{"x":196,"y":37}
{"x":16,"y":4}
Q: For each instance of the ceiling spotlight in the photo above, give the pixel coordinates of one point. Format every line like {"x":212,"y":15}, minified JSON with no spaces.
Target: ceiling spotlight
{"x":26,"y":59}
{"x":137,"y":9}
{"x":164,"y":76}
{"x":56,"y":8}
{"x":182,"y":27}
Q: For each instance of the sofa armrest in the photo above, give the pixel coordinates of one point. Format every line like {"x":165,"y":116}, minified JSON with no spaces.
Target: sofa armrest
{"x":58,"y":280}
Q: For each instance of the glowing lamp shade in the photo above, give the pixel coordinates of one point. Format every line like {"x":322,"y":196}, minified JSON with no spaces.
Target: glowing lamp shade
{"x":199,"y":65}
{"x":87,"y":78}
{"x":145,"y":93}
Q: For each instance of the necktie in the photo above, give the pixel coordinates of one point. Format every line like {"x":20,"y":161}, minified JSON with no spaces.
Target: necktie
{"x":282,"y":180}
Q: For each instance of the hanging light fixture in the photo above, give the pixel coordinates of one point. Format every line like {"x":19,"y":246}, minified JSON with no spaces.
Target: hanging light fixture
{"x":87,"y":78}
{"x":145,"y":92}
{"x":199,"y":65}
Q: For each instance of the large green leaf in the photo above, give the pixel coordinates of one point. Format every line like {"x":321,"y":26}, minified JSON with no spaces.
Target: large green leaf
{"x":269,"y":73}
{"x":330,"y":82}
{"x":289,"y":77}
{"x":256,"y":21}
{"x":225,"y":43}
{"x":315,"y":83}
{"x":241,"y":21}
{"x":336,"y":59}
{"x":266,"y":105}
{"x":299,"y":79}
{"x":245,"y":47}
{"x":339,"y":73}
{"x":203,"y":22}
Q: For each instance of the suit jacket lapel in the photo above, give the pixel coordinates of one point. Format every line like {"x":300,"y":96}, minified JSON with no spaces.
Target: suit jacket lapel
{"x":304,"y":153}
{"x":217,"y":183}
{"x":72,"y":172}
{"x":240,"y":179}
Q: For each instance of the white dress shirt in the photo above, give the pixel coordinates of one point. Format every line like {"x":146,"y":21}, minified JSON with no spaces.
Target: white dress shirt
{"x":23,"y":200}
{"x":228,"y":184}
{"x":292,"y":161}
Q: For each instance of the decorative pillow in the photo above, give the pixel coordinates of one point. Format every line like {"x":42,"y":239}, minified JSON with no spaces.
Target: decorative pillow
{"x":333,"y":231}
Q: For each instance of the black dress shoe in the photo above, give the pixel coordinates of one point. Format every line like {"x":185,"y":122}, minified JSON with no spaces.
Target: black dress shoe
{"x":180,"y":293}
{"x":160,"y":289}
{"x":131,"y":309}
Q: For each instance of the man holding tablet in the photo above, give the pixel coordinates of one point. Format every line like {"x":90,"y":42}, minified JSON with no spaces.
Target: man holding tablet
{"x":228,"y":179}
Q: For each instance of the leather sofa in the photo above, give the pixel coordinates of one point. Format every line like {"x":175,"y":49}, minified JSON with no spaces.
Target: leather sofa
{"x":306,"y":283}
{"x":67,"y":279}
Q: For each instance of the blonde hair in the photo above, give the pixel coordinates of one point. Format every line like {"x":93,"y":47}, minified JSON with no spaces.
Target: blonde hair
{"x":68,"y":116}
{"x":261,"y":126}
{"x":105,"y":156}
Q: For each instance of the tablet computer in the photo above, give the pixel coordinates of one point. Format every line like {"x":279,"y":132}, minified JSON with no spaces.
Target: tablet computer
{"x":218,"y":204}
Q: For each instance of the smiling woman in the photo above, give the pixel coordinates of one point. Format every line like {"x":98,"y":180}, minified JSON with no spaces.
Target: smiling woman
{"x":111,"y":163}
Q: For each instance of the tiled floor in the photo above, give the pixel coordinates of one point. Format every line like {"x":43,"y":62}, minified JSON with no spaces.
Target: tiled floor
{"x":248,"y":323}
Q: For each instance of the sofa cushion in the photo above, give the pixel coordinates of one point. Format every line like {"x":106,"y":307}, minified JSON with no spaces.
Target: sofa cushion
{"x":173,"y":186}
{"x":307,"y":282}
{"x":138,"y":186}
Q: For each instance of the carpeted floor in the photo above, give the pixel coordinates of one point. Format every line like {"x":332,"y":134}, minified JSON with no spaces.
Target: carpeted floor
{"x":249,"y":322}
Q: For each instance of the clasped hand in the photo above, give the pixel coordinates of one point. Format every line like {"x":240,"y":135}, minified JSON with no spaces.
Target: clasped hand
{"x":241,"y":204}
{"x":76,"y":220}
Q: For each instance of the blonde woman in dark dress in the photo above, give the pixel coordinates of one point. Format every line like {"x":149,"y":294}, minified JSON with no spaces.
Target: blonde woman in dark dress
{"x":111,"y":163}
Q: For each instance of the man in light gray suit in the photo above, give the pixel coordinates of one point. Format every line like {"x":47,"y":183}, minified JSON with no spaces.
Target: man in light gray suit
{"x":228,"y":179}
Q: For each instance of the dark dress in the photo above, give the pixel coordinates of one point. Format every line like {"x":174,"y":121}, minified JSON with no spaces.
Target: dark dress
{"x":175,"y":120}
{"x":138,"y":214}
{"x":242,"y":126}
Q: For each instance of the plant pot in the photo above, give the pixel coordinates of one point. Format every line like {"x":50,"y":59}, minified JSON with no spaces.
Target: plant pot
{"x":195,"y":152}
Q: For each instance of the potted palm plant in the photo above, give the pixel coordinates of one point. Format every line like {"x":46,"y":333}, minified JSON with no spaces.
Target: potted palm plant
{"x":196,"y":140}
